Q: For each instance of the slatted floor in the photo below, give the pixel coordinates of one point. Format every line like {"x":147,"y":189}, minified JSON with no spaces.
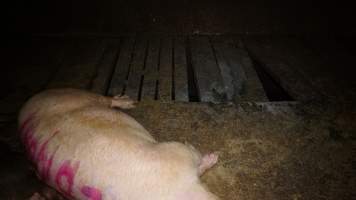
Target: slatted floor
{"x":216,"y":69}
{"x":205,"y":69}
{"x":178,"y":69}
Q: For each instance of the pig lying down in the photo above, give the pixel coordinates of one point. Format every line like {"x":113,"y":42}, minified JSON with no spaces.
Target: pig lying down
{"x":85,"y":149}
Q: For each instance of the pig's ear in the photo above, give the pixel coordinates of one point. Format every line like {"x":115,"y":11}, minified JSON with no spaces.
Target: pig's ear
{"x":207,"y":162}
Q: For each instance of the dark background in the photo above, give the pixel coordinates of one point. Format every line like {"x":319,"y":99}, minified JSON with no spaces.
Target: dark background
{"x":180,"y":17}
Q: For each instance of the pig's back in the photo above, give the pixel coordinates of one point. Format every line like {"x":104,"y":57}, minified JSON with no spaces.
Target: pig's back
{"x":60,"y":101}
{"x":91,"y":125}
{"x":101,"y":142}
{"x":100,"y":121}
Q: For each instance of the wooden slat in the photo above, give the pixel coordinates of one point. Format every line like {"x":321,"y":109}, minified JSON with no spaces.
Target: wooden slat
{"x":231,"y":70}
{"x":79,"y":64}
{"x":254,"y":90}
{"x":180,"y":71}
{"x":106,"y":66}
{"x":151,"y":69}
{"x":240,"y":78}
{"x":136,"y":69}
{"x":165,"y":70}
{"x":122,"y":67}
{"x":298,"y":86}
{"x":207,"y":72}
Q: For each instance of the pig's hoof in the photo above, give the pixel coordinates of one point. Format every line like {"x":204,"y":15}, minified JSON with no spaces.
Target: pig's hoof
{"x":122,"y":101}
{"x":207,"y":161}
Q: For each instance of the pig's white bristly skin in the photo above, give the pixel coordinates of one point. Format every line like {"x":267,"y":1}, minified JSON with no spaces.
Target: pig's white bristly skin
{"x":116,"y":154}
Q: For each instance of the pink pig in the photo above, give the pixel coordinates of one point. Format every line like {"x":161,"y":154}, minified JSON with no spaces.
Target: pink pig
{"x":85,"y":149}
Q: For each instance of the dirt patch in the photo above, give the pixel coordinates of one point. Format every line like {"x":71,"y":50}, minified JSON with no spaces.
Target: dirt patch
{"x":267,"y":151}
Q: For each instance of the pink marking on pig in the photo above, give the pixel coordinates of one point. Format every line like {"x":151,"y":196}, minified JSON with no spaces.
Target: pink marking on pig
{"x":42,"y":154}
{"x":43,"y":148}
{"x":27,"y":130}
{"x":32,"y":146}
{"x":30,"y":141}
{"x":44,"y":165}
{"x":41,"y":158}
{"x":27,"y":121}
{"x":43,"y":162}
{"x":66,"y":172}
{"x":27,"y":136}
{"x":91,"y":192}
{"x":26,"y":126}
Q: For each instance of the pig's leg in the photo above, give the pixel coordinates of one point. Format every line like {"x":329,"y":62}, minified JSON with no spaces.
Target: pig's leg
{"x":207,"y":161}
{"x":122,"y":101}
{"x":204,"y":162}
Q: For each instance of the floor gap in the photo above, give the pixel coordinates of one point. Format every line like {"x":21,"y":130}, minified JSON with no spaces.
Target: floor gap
{"x":173,"y":89}
{"x":193,"y":91}
{"x":143,"y":71}
{"x":158,"y":70}
{"x":130,"y":64}
{"x":113,"y":67}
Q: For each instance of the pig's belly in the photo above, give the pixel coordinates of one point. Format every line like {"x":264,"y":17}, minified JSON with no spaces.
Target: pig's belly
{"x":82,"y":152}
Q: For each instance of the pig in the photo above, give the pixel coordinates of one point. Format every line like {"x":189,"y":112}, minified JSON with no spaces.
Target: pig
{"x":85,"y":147}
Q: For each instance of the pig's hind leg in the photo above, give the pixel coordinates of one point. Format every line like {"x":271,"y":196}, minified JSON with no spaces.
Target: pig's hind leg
{"x":122,"y":101}
{"x":207,"y":162}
